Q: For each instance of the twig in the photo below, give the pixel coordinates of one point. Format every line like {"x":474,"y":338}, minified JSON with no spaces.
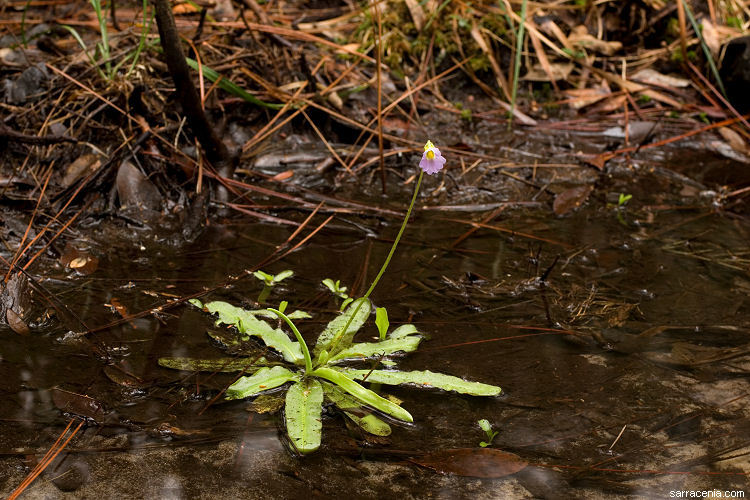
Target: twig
{"x":216,"y":151}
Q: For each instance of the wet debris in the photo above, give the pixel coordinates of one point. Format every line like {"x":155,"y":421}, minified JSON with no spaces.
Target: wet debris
{"x":28,"y":85}
{"x":735,"y":72}
{"x":78,"y":404}
{"x":78,"y":260}
{"x":267,"y":403}
{"x":570,"y":199}
{"x":135,"y":191}
{"x":15,"y":301}
{"x":80,"y":168}
{"x":472,"y":462}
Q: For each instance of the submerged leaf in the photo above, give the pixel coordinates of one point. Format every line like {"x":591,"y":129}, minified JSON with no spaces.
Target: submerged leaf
{"x":267,"y":403}
{"x":80,"y":404}
{"x":224,"y":338}
{"x":473,"y":462}
{"x":227,"y":365}
{"x":425,"y":378}
{"x":364,"y":395}
{"x":304,"y":405}
{"x":262,"y":380}
{"x":338,"y":324}
{"x":246,"y":322}
{"x":384,"y":348}
{"x":570,"y":199}
{"x":354,"y":410}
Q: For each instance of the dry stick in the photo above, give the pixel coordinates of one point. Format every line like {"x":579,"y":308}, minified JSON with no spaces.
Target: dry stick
{"x":273,"y":257}
{"x":301,"y":226}
{"x":91,"y":91}
{"x":30,"y":477}
{"x":712,"y":11}
{"x":277,"y":30}
{"x":509,"y":231}
{"x":19,"y":253}
{"x":9,"y":133}
{"x":379,"y":78}
{"x":392,"y":152}
{"x":327,"y":144}
{"x":48,"y":454}
{"x":53,"y":301}
{"x":474,"y":229}
{"x":216,"y":151}
{"x":199,"y":62}
{"x":729,"y":121}
{"x":683,"y":29}
{"x":57,"y":234}
{"x":718,"y":95}
{"x":392,"y":105}
{"x":46,"y":226}
{"x":301,"y":201}
{"x":45,"y":461}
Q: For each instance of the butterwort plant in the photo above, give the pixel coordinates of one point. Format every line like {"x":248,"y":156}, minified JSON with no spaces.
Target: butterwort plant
{"x":334,"y":372}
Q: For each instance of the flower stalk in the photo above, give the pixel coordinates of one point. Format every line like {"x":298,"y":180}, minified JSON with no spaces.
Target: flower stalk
{"x":302,"y":344}
{"x":432,"y":162}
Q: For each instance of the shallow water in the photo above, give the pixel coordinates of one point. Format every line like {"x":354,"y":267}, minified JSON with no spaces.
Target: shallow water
{"x":624,"y":370}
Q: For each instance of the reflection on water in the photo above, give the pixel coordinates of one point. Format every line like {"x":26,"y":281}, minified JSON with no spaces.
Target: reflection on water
{"x":625,"y":370}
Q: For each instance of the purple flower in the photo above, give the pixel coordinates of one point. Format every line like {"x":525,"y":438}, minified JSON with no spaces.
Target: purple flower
{"x":432,"y":161}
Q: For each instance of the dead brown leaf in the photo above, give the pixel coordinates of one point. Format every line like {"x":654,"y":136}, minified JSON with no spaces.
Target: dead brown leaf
{"x":570,"y":199}
{"x":473,"y":462}
{"x":80,"y":260}
{"x":16,"y":323}
{"x":417,"y":14}
{"x":580,"y":37}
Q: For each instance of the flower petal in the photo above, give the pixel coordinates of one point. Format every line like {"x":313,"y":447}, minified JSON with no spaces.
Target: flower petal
{"x":432,"y":166}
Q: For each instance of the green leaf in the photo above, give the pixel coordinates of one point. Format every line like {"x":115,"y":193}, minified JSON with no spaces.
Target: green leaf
{"x":78,"y":38}
{"x":265,"y":277}
{"x":355,"y":411}
{"x":268,"y":314}
{"x":425,"y":379}
{"x":304,"y":405}
{"x":226,"y":365}
{"x":374,"y":349}
{"x":484,"y":424}
{"x":230,"y":86}
{"x":247,"y":323}
{"x":366,"y":396}
{"x":283,"y":275}
{"x":335,"y":326}
{"x":381,"y":321}
{"x":403,"y":331}
{"x":336,"y":288}
{"x":262,"y":380}
{"x":299,"y":315}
